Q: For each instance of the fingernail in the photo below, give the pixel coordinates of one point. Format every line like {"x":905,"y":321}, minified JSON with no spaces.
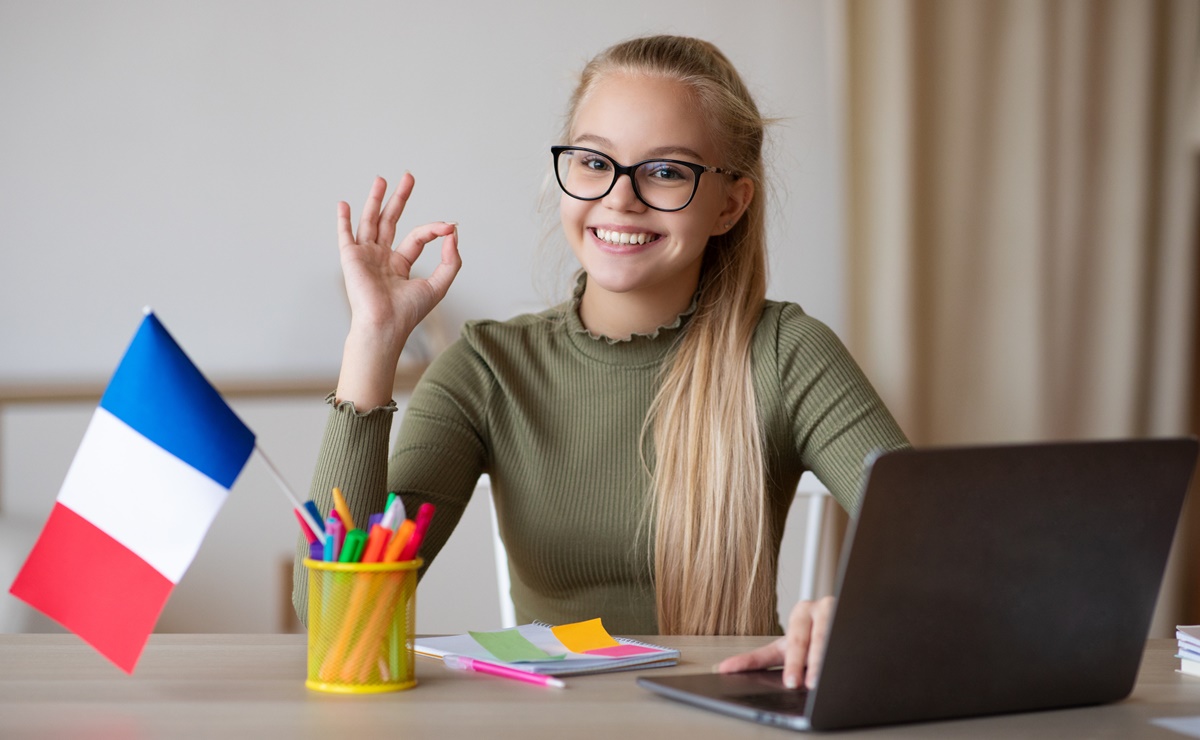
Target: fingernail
{"x":790,"y":682}
{"x":716,"y":668}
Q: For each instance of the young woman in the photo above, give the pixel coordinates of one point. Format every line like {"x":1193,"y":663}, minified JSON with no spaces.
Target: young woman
{"x":644,"y":439}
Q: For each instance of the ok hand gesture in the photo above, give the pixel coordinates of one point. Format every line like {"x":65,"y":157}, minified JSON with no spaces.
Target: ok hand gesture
{"x":386,"y":302}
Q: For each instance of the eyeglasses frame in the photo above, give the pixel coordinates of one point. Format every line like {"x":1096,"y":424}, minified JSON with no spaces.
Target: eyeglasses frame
{"x":620,"y":169}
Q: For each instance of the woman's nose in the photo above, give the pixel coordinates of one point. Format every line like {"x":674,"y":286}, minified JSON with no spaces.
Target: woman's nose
{"x":622,"y":196}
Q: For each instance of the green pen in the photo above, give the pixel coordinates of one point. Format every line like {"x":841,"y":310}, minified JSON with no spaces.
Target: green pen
{"x":352,"y":548}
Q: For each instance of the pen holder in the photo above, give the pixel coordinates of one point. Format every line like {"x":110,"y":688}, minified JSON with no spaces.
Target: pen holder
{"x":361,"y":619}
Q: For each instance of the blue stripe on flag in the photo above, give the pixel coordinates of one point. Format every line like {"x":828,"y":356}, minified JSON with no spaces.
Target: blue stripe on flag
{"x":159,"y":392}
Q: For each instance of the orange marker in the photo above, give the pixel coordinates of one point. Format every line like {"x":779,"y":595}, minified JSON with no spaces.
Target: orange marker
{"x":403,"y":534}
{"x":376,"y":544}
{"x":343,"y":510}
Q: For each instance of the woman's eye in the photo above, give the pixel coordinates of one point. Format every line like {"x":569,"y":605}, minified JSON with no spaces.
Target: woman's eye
{"x":664,"y":172}
{"x":596,"y":164}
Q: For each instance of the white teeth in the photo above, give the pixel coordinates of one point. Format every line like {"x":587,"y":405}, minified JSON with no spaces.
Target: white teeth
{"x":621,"y":237}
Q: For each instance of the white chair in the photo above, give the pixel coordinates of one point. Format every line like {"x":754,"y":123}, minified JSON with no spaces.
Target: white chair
{"x":810,"y":491}
{"x":817,"y":495}
{"x":508,"y":613}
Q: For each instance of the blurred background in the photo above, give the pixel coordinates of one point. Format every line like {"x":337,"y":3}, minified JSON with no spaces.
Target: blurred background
{"x":992,"y":201}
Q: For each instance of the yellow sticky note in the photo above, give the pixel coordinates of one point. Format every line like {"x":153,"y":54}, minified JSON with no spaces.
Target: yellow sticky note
{"x":584,"y":636}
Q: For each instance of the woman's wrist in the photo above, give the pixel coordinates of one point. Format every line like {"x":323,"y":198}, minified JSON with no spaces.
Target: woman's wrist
{"x":368,"y":374}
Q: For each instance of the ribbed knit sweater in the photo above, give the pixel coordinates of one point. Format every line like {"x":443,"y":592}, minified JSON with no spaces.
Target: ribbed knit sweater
{"x":553,"y":415}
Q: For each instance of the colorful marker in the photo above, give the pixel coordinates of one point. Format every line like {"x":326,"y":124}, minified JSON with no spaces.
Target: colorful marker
{"x":315,"y":514}
{"x":339,"y":503}
{"x":307,"y":530}
{"x":396,"y":546}
{"x":424,"y":516}
{"x":463,"y":663}
{"x":333,"y":539}
{"x":376,"y":543}
{"x":352,"y":546}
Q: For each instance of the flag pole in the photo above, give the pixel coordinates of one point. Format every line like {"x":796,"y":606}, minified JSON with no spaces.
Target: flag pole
{"x":317,"y":529}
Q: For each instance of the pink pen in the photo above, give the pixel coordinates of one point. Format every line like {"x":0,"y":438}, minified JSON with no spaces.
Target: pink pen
{"x":463,"y":663}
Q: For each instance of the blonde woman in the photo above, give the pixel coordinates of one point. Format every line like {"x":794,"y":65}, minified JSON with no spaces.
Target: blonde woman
{"x":645,"y":438}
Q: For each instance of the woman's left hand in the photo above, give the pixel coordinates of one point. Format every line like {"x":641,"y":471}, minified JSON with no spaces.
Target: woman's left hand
{"x":800,"y":650}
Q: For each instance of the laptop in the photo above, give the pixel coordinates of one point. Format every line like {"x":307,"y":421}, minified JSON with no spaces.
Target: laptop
{"x":983,"y":580}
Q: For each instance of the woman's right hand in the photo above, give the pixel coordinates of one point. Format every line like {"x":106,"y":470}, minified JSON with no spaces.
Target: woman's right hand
{"x":386,"y":302}
{"x":800,"y":651}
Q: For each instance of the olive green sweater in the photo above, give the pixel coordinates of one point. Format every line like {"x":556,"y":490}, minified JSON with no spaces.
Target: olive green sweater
{"x":553,"y":415}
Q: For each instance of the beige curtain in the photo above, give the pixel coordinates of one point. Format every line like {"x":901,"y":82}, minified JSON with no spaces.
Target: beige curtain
{"x":1021,"y":212}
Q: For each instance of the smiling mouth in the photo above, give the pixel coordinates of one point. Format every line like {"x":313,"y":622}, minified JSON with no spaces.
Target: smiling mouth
{"x":623,"y":238}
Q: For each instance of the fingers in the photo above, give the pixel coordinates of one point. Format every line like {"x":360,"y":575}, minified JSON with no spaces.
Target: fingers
{"x":377,"y":225}
{"x":345,"y":235}
{"x":801,"y":649}
{"x":393,"y":209}
{"x":448,"y":268}
{"x":821,"y":619}
{"x":796,"y":643}
{"x":368,"y":222}
{"x":411,"y":246}
{"x":764,"y":657}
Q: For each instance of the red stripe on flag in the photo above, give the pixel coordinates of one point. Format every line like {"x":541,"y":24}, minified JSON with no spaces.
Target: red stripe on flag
{"x":94,"y":586}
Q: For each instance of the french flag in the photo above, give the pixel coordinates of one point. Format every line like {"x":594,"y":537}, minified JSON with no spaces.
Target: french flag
{"x":154,"y":467}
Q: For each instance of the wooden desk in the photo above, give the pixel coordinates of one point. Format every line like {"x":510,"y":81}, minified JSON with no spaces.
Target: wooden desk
{"x":252,"y":686}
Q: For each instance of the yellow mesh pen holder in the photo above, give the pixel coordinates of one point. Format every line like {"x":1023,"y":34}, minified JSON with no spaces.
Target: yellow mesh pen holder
{"x":361,"y":621}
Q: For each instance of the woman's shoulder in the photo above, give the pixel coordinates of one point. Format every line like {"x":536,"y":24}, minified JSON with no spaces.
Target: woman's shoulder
{"x":788,"y":337}
{"x":786,"y":321}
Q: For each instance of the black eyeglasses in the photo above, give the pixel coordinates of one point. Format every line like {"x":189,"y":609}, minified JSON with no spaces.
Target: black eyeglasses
{"x":662,"y":184}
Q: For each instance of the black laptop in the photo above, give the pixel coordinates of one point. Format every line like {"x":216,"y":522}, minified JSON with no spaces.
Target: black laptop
{"x":983,"y":580}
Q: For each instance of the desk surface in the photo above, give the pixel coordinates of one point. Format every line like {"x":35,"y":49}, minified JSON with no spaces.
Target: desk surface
{"x":232,"y":686}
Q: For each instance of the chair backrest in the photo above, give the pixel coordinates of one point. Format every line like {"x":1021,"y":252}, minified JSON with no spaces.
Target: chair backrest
{"x":810,"y":491}
{"x":508,"y":613}
{"x":813,"y":492}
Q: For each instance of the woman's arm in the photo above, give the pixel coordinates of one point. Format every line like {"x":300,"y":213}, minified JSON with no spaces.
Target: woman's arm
{"x":837,"y":421}
{"x":386,"y":304}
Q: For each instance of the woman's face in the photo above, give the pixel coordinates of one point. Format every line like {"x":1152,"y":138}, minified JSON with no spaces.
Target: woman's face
{"x":624,"y":245}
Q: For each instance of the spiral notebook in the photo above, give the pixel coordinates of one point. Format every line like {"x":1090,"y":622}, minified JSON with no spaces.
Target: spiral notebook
{"x":563,"y":650}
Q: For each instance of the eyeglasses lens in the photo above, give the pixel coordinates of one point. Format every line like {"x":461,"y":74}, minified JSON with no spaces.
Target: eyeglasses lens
{"x":659,"y":184}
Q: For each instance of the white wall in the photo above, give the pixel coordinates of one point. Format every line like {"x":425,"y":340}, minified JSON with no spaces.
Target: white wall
{"x":189,"y":156}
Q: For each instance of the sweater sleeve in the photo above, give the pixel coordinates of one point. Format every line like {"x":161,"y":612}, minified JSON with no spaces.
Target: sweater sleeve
{"x":838,"y":420}
{"x":439,"y":455}
{"x":442,"y":446}
{"x":353,"y":458}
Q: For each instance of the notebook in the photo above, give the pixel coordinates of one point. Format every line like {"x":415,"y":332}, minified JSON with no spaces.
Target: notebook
{"x":586,"y":651}
{"x":983,"y":580}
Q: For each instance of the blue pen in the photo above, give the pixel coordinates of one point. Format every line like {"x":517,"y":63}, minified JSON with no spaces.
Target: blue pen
{"x":316,"y":551}
{"x":316,"y":515}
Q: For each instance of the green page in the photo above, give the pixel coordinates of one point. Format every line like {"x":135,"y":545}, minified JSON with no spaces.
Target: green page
{"x":510,"y":646}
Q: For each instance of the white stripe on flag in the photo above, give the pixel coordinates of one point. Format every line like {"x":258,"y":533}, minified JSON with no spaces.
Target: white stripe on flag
{"x":141,"y":495}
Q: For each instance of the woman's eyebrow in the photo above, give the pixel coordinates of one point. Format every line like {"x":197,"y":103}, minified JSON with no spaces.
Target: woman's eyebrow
{"x":601,"y":142}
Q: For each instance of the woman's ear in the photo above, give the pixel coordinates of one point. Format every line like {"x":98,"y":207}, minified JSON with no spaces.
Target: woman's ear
{"x":737,"y":200}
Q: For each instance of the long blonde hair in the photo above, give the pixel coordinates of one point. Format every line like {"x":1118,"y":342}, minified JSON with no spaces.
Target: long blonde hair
{"x":714,"y":561}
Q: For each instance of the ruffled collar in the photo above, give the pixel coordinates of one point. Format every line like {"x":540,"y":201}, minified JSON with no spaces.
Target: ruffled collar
{"x":637,"y":349}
